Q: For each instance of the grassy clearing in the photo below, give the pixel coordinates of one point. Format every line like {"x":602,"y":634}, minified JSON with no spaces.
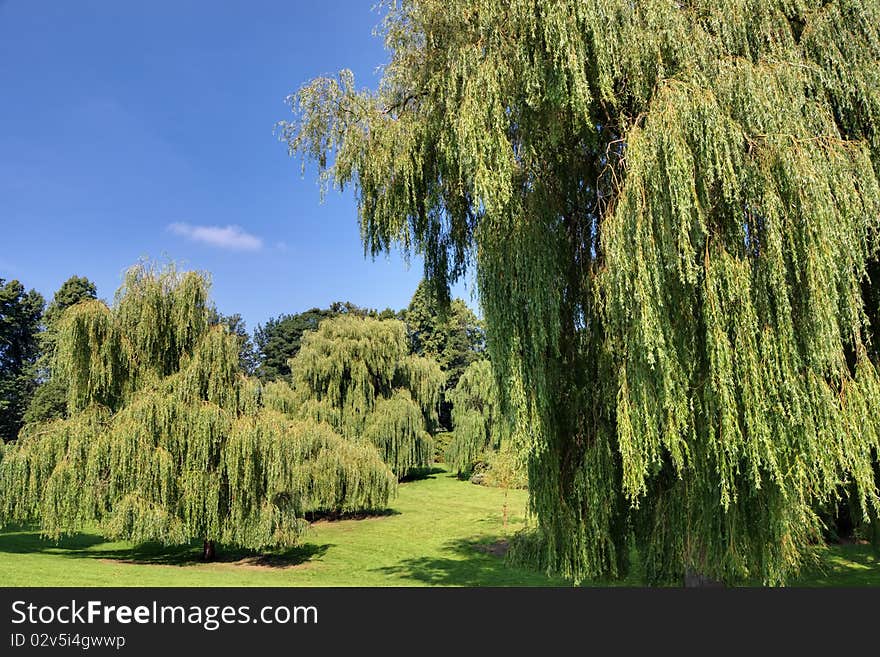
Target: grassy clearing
{"x":845,"y":565}
{"x":439,"y":531}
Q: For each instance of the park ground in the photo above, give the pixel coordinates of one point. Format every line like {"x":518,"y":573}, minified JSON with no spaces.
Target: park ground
{"x":439,"y":531}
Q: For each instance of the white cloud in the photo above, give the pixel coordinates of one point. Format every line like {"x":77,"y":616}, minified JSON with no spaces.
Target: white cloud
{"x":225,"y":237}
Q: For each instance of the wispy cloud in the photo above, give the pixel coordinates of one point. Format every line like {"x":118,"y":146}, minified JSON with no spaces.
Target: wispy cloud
{"x":234,"y":238}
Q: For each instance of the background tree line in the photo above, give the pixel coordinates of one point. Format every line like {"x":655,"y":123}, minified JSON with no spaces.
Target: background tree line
{"x":28,"y":334}
{"x":450,"y":334}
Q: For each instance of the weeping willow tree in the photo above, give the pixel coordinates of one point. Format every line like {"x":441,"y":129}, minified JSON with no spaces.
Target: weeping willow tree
{"x":671,"y":207}
{"x":168,"y":441}
{"x":477,"y":419}
{"x":486,"y":444}
{"x":356,"y":373}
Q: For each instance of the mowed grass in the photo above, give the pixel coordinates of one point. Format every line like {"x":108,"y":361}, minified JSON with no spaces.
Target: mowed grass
{"x":844,"y":565}
{"x":439,"y":531}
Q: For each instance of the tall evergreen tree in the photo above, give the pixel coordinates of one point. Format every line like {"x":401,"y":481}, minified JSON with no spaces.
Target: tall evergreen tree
{"x":450,"y":333}
{"x":50,"y":398}
{"x":71,"y":292}
{"x":279,"y":339}
{"x":168,"y":441}
{"x":20,"y":313}
{"x":672,"y":207}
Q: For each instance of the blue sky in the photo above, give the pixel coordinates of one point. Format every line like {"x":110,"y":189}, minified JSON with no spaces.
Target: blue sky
{"x":132,"y":130}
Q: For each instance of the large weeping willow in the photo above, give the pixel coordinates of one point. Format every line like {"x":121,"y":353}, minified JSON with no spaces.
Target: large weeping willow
{"x":357,"y":374}
{"x":167,"y":440}
{"x":671,"y":207}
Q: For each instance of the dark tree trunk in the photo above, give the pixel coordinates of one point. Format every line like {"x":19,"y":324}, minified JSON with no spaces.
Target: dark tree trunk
{"x":693,"y":579}
{"x":208,"y":551}
{"x":875,"y":531}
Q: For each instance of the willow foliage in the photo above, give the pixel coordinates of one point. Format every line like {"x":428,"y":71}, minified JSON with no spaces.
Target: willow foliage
{"x":397,"y":427}
{"x":671,"y":207}
{"x":168,"y":441}
{"x":477,"y":419}
{"x":357,"y":374}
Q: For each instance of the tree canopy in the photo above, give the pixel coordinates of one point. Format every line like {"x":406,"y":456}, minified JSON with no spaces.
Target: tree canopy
{"x":672,"y":207}
{"x":50,"y":398}
{"x":20,"y":313}
{"x":447,"y":331}
{"x":357,"y":374}
{"x":451,"y":333}
{"x":71,"y":292}
{"x":247,"y":356}
{"x":167,"y":440}
{"x":477,"y":419}
{"x":279,"y":339}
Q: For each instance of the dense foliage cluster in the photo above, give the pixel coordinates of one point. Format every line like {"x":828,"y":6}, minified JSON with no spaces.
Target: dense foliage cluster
{"x":50,"y":398}
{"x":673,"y":208}
{"x":20,"y":313}
{"x":280,"y":338}
{"x":447,"y":331}
{"x":478,"y":422}
{"x":167,"y":440}
{"x":357,"y":374}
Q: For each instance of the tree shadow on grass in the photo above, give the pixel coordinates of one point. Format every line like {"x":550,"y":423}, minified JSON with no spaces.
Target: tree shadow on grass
{"x":26,"y":540}
{"x":85,"y":546}
{"x":848,"y":565}
{"x":474,"y":562}
{"x":419,"y":474}
{"x":190,"y":555}
{"x":333,"y":516}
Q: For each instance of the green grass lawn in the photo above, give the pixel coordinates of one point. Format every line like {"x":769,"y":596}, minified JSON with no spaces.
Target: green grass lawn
{"x":439,"y":531}
{"x":844,"y":565}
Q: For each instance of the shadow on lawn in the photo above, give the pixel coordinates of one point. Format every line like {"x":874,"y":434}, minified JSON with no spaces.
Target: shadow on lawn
{"x":84,"y":546}
{"x":477,"y":562}
{"x":418,"y":474}
{"x":844,"y":565}
{"x":332,"y":516}
{"x":23,"y":540}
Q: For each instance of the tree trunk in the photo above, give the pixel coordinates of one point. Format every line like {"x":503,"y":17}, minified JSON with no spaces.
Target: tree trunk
{"x":504,"y":521}
{"x":875,"y":531}
{"x":208,"y":551}
{"x":694,"y":579}
{"x":874,"y":514}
